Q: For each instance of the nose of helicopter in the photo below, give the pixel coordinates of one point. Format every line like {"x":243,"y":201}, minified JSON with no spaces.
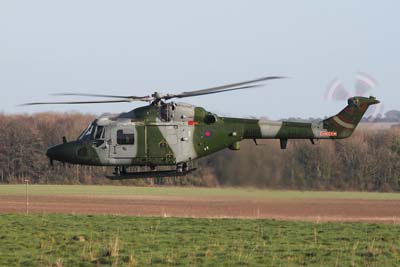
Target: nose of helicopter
{"x":63,"y":152}
{"x":75,"y":152}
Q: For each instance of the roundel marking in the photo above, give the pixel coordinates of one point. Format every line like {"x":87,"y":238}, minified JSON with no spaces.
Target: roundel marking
{"x":207,"y":134}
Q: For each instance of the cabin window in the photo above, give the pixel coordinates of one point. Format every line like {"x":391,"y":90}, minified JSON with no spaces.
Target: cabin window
{"x":125,"y":137}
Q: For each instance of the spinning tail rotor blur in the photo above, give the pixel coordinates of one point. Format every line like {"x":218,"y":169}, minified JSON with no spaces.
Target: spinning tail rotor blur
{"x":364,"y":84}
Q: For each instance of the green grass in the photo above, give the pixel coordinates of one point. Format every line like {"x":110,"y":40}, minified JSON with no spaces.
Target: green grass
{"x":68,"y":240}
{"x":71,"y":190}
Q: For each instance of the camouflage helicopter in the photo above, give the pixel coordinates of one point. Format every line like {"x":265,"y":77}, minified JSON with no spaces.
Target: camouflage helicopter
{"x":175,"y":134}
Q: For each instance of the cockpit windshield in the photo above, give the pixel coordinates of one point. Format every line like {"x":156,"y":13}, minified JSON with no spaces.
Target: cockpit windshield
{"x":85,"y":135}
{"x":92,"y":132}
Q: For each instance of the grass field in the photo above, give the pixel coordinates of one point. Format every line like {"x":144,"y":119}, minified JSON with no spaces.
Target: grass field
{"x":107,"y":240}
{"x":73,"y":190}
{"x":67,"y":240}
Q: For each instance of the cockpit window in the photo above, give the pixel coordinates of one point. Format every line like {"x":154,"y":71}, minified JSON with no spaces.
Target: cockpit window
{"x":93,"y":132}
{"x":99,"y":132}
{"x":86,"y":134}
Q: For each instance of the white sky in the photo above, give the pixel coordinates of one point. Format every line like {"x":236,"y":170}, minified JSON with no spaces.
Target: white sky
{"x":137,"y":47}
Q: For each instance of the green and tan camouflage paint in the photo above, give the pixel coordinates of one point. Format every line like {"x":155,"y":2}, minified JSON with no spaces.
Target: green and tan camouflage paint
{"x":175,"y":133}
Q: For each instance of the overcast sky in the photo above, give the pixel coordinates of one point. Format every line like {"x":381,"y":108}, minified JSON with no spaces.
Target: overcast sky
{"x":135,"y":48}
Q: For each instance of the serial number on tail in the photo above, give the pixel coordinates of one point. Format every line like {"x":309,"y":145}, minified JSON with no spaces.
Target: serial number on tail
{"x":328,"y":134}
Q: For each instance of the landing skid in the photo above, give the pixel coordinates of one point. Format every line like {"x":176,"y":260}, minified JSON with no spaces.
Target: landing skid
{"x":150,"y":174}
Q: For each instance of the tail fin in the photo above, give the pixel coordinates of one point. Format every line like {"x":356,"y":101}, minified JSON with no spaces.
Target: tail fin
{"x":346,"y":121}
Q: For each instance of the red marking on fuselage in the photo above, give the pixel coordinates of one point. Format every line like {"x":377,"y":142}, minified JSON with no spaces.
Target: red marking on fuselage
{"x":349,"y":110}
{"x":363,"y":106}
{"x":347,"y":120}
{"x":192,"y":123}
{"x":207,"y":134}
{"x":328,"y":134}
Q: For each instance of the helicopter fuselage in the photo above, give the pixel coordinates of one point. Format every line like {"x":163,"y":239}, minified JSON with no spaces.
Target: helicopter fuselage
{"x":177,"y":133}
{"x":154,"y":135}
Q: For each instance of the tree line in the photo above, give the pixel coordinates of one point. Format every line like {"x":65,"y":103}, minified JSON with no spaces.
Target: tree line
{"x":369,"y":160}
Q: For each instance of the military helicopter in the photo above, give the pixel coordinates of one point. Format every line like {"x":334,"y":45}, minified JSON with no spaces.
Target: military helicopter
{"x":165,"y":133}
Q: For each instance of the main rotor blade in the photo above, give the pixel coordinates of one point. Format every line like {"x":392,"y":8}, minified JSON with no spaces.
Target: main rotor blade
{"x":156,"y":97}
{"x":222,"y":88}
{"x":77,"y":102}
{"x":101,"y":95}
{"x":216,"y":92}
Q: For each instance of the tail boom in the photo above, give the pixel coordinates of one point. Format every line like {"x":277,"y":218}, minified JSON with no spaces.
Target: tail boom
{"x":339,"y":126}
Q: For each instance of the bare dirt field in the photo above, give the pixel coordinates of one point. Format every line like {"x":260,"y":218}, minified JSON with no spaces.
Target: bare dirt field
{"x":351,"y":210}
